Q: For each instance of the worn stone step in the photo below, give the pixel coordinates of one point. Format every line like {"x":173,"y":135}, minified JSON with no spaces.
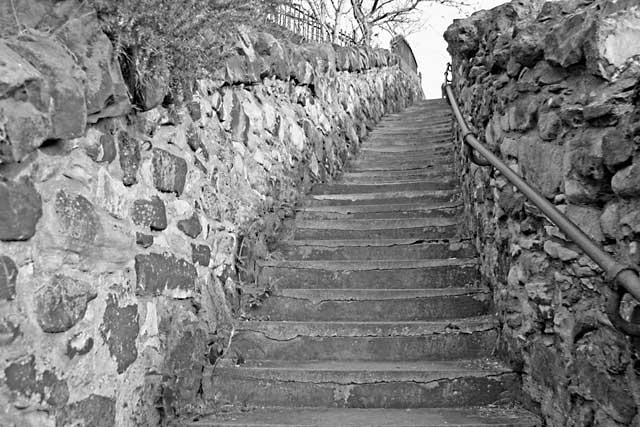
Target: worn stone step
{"x":339,"y":188}
{"x":424,"y":274}
{"x":358,"y":384}
{"x":332,"y":417}
{"x":445,"y":210}
{"x":426,"y":173}
{"x":401,"y":158}
{"x":374,"y":249}
{"x":382,"y":198}
{"x":369,"y":341}
{"x":401,"y":165}
{"x":410,"y":141}
{"x":363,"y":305}
{"x":425,"y":149}
{"x":426,"y":228}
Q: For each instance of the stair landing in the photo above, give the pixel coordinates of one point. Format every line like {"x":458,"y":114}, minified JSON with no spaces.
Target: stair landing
{"x":375,"y":316}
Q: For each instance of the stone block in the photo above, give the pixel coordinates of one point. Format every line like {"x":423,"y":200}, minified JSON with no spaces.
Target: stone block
{"x":626,"y":182}
{"x":9,"y":331}
{"x":541,"y":164}
{"x":79,"y":345}
{"x":8,"y":277}
{"x":62,"y":303}
{"x":65,"y":80}
{"x":200,"y":254}
{"x":190,"y":226}
{"x":158,"y":274}
{"x":564,"y":43}
{"x":169,"y":172}
{"x":20,"y":210}
{"x":22,"y":377}
{"x":106,"y":92}
{"x":616,"y":149}
{"x":129,"y":151}
{"x":95,"y":411}
{"x":549,"y":125}
{"x":79,"y":223}
{"x":120,"y":329}
{"x":614,"y":40}
{"x":150,"y":213}
{"x":25,"y":121}
{"x":144,"y":240}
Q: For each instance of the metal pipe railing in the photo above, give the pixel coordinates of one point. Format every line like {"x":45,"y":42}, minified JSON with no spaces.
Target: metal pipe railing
{"x":624,"y":278}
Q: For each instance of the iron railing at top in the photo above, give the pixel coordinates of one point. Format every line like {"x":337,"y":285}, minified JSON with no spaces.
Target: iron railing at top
{"x":623,"y":279}
{"x":303,"y":23}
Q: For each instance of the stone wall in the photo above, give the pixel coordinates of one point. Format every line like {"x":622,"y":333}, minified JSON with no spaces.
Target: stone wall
{"x":553,"y":89}
{"x":123,"y":232}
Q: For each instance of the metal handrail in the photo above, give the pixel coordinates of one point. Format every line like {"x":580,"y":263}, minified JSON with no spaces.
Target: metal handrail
{"x":623,"y":278}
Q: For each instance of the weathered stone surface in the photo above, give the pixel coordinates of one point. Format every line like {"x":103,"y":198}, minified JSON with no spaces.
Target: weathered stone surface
{"x":66,"y":101}
{"x":615,"y":39}
{"x":106,"y":93}
{"x":150,"y":213}
{"x":78,"y":220}
{"x":549,"y":126}
{"x":62,"y":303}
{"x":20,"y":210}
{"x":8,"y":277}
{"x":120,"y":329}
{"x":564,"y":43}
{"x":164,"y":273}
{"x":144,"y":240}
{"x":9,"y":331}
{"x":79,"y":345}
{"x":541,"y":164}
{"x":200,"y":254}
{"x":169,"y":172}
{"x":25,"y":121}
{"x":616,"y":149}
{"x":21,"y":377}
{"x":626,"y":183}
{"x":129,"y":151}
{"x":95,"y":411}
{"x":104,"y":151}
{"x":191,"y":226}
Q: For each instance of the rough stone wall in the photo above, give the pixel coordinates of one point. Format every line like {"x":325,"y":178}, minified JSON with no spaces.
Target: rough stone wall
{"x":553,"y":89}
{"x":123,"y":232}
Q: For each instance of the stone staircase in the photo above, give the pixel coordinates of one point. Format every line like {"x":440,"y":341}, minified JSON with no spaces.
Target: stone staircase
{"x":376,"y":316}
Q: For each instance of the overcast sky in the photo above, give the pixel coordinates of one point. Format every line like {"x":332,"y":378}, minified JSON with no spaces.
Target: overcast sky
{"x":429,"y":47}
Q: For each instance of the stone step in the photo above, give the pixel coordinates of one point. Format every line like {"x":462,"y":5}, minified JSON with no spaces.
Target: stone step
{"x":423,"y":174}
{"x":406,"y":164}
{"x":446,"y":210}
{"x":382,"y":198}
{"x":368,"y":249}
{"x":414,"y":141}
{"x":339,"y":188}
{"x":368,"y":305}
{"x":404,"y":157}
{"x":360,"y":384}
{"x":425,"y":149}
{"x":423,"y":274}
{"x":368,"y":341}
{"x":432,"y":228}
{"x":332,"y":417}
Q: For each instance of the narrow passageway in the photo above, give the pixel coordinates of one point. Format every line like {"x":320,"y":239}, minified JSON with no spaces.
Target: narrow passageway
{"x":376,"y":315}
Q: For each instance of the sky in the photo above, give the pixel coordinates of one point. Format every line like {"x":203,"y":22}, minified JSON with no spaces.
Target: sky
{"x":429,"y":46}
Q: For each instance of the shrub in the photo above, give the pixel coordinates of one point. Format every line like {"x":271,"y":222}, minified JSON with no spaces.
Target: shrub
{"x":185,"y":38}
